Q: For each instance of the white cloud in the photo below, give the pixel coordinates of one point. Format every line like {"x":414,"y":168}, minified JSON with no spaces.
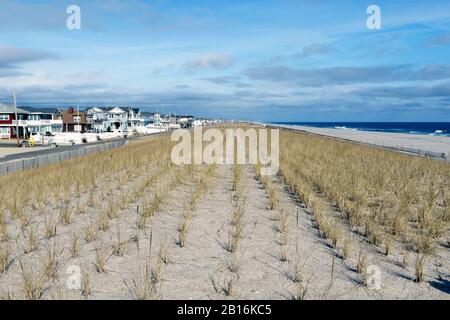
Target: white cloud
{"x":210,"y":61}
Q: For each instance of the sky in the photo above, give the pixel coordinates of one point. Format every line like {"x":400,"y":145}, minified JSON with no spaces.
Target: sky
{"x":261,"y":60}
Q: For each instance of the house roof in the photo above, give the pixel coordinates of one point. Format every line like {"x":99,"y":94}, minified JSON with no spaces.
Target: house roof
{"x":95,"y":110}
{"x":39,"y":110}
{"x":10,"y":109}
{"x":116,"y":110}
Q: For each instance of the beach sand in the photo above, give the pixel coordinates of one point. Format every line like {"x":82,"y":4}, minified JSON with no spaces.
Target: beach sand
{"x":439,"y":144}
{"x":262,"y":266}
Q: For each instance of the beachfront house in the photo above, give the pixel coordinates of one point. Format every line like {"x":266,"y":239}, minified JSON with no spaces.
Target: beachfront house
{"x":151,"y":118}
{"x":73,"y":120}
{"x":29,"y":120}
{"x":134,"y":119}
{"x":114,"y":119}
{"x":96,"y":120}
{"x":43,"y":121}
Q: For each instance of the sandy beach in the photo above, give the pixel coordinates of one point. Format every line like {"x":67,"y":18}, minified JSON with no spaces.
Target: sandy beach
{"x":134,"y":226}
{"x":439,"y":144}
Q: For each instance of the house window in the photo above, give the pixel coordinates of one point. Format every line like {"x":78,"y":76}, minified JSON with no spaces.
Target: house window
{"x":4,"y":131}
{"x":4,"y":116}
{"x":76,"y":118}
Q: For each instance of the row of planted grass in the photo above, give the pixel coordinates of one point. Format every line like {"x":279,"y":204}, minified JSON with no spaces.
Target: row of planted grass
{"x":54,"y":184}
{"x":383,"y":194}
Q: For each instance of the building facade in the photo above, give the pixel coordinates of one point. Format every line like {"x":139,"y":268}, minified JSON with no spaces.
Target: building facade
{"x":113,"y":119}
{"x":28,"y":121}
{"x":73,"y":120}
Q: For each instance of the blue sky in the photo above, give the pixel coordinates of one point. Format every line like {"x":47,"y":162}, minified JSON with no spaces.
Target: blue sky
{"x":285,"y":60}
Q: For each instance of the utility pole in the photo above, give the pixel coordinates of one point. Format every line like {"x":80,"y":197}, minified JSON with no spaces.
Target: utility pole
{"x":17,"y":118}
{"x":78,"y":118}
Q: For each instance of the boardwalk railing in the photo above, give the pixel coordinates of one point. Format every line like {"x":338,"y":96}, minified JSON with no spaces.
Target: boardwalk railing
{"x":42,"y":160}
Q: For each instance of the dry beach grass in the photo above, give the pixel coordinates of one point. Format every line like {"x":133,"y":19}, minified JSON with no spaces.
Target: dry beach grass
{"x":136,"y":226}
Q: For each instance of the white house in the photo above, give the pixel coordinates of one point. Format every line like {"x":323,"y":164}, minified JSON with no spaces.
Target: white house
{"x":114,"y":119}
{"x":117,"y":119}
{"x":96,"y":119}
{"x":134,"y":119}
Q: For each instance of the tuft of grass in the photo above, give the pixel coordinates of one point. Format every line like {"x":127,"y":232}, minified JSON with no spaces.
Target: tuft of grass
{"x":5,"y":253}
{"x":405,"y":260}
{"x":90,"y":232}
{"x":361,"y":262}
{"x":334,"y":234}
{"x":387,"y":245}
{"x":33,"y":283}
{"x":156,"y":272}
{"x":346,"y":248}
{"x":295,"y":275}
{"x":49,"y":228}
{"x":85,"y":283}
{"x":233,"y":264}
{"x":283,"y":255}
{"x":141,"y":222}
{"x":229,"y":288}
{"x":232,"y":243}
{"x":119,"y":245}
{"x":80,"y":208}
{"x":65,"y":215}
{"x":143,"y":288}
{"x":31,"y":236}
{"x":112,"y":212}
{"x":419,"y":267}
{"x":301,"y":290}
{"x":101,"y":257}
{"x":214,"y":283}
{"x":282,"y":224}
{"x":103,"y":223}
{"x":74,"y":245}
{"x":51,"y":261}
{"x":91,"y":199}
{"x":25,"y":220}
{"x":237,"y":176}
{"x":3,"y":228}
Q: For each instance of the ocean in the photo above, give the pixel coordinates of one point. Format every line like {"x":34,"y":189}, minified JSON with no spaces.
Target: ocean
{"x":426,"y":128}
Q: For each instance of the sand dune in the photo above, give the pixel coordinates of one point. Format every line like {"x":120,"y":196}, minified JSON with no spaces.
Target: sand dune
{"x":439,"y":144}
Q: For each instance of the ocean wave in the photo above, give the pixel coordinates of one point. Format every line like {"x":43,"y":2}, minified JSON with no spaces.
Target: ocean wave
{"x":439,"y":133}
{"x":345,"y":128}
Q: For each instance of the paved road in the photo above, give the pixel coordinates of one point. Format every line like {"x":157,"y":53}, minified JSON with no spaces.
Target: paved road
{"x":47,"y":150}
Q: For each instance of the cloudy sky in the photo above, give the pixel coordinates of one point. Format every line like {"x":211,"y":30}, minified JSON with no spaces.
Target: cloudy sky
{"x":281,"y":60}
